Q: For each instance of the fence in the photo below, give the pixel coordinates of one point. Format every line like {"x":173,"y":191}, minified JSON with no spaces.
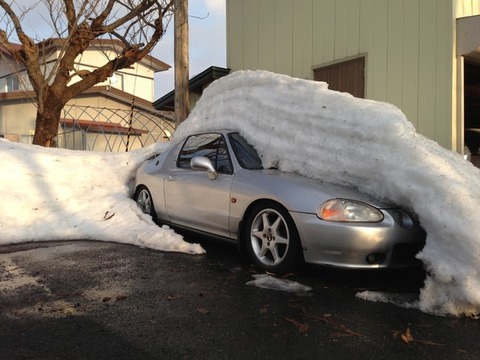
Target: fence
{"x":114,"y":130}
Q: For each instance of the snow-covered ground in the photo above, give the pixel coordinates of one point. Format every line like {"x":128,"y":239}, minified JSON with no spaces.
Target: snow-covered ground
{"x":296,"y":125}
{"x":55,"y":194}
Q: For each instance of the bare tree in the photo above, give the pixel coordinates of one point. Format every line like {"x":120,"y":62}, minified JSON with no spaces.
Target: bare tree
{"x":136,"y":24}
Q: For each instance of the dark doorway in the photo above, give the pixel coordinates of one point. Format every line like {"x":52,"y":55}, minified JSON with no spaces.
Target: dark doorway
{"x":347,"y":76}
{"x":472,"y":109}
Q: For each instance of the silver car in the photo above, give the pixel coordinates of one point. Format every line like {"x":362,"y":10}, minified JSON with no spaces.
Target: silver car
{"x":214,"y":183}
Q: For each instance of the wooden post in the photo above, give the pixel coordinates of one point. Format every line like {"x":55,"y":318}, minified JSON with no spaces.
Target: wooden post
{"x":182,"y":94}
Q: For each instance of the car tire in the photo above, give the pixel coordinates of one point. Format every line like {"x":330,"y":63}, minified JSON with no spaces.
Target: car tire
{"x":271,"y":238}
{"x":144,"y":200}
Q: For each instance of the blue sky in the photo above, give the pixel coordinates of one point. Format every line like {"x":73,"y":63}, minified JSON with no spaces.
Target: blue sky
{"x":207,"y":42}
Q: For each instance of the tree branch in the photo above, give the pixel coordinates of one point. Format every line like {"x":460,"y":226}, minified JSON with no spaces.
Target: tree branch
{"x":99,"y":20}
{"x":70,"y":14}
{"x":29,"y":54}
{"x":131,"y":14}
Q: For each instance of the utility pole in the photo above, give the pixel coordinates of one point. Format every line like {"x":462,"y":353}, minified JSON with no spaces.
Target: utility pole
{"x":182,"y":93}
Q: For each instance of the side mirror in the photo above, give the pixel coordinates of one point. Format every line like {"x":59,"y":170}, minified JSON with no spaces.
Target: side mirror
{"x":203,"y":163}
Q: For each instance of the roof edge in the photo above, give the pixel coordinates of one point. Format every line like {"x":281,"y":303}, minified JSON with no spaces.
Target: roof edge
{"x":210,"y":74}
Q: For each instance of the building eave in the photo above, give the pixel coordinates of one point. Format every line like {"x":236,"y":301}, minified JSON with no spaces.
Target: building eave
{"x":196,"y":84}
{"x":106,"y":91}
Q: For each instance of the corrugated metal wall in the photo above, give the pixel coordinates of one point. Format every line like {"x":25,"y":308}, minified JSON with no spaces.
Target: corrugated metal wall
{"x":408,"y":44}
{"x":467,"y":8}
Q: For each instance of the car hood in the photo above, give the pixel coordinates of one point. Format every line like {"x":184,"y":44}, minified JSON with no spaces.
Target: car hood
{"x":305,"y":187}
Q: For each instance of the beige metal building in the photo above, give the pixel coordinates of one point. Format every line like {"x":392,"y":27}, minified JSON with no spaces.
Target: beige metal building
{"x":421,"y":55}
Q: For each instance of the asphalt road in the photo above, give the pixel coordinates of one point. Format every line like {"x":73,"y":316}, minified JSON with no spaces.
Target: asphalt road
{"x":92,"y":300}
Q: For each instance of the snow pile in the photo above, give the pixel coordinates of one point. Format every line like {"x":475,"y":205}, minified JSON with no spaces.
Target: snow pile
{"x":53,"y":194}
{"x":265,"y":281}
{"x":296,"y":125}
{"x":404,"y":300}
{"x":301,"y":126}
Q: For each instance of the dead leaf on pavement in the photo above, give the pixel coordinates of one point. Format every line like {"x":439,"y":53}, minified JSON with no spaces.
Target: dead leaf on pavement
{"x":408,"y":338}
{"x":336,"y":325}
{"x":302,"y":327}
{"x":203,"y":311}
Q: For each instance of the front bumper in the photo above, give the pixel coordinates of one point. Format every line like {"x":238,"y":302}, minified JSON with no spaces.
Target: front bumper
{"x":392,"y":243}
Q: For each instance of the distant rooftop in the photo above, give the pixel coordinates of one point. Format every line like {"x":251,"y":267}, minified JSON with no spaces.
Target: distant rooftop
{"x":196,"y":85}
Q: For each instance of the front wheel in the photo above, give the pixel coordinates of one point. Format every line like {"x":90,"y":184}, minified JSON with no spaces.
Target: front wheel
{"x":143,"y":198}
{"x":272,"y":239}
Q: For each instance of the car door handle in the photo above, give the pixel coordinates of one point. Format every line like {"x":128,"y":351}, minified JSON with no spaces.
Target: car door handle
{"x":171,"y":178}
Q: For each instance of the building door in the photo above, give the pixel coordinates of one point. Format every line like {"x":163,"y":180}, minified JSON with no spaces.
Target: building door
{"x":472,"y":108}
{"x":347,"y":76}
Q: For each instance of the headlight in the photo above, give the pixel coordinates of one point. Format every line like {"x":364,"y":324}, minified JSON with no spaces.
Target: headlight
{"x":343,"y":210}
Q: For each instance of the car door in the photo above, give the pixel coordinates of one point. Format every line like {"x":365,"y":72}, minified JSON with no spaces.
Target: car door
{"x":191,"y":198}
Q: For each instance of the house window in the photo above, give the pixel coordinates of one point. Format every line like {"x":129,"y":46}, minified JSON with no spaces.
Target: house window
{"x":12,"y":83}
{"x":116,"y":81}
{"x":346,"y":76}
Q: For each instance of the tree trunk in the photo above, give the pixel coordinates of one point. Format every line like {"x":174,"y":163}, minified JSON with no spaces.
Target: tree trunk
{"x":46,"y":126}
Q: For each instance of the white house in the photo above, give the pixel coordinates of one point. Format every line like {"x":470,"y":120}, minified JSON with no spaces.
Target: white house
{"x":421,"y":55}
{"x":105,"y":109}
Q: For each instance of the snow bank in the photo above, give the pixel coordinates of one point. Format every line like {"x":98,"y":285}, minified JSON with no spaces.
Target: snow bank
{"x":54,"y":194}
{"x":301,"y":126}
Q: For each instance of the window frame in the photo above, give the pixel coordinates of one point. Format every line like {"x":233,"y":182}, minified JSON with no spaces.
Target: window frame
{"x":179,"y":163}
{"x":234,"y":138}
{"x":13,"y":83}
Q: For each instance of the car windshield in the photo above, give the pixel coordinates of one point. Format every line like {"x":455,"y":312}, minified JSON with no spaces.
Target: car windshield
{"x":246,"y":155}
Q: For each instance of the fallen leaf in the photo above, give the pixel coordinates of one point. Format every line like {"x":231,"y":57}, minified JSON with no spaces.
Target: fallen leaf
{"x":203,"y":311}
{"x":407,"y":337}
{"x":302,"y":327}
{"x":340,"y":327}
{"x":108,"y":216}
{"x":426,"y":342}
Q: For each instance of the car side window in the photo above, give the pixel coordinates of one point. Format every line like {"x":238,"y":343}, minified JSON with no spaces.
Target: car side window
{"x":210,"y":145}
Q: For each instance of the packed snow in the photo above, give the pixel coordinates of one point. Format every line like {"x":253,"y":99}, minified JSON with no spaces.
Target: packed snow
{"x":296,"y":125}
{"x":302,"y":126}
{"x":55,"y":194}
{"x":265,"y":281}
